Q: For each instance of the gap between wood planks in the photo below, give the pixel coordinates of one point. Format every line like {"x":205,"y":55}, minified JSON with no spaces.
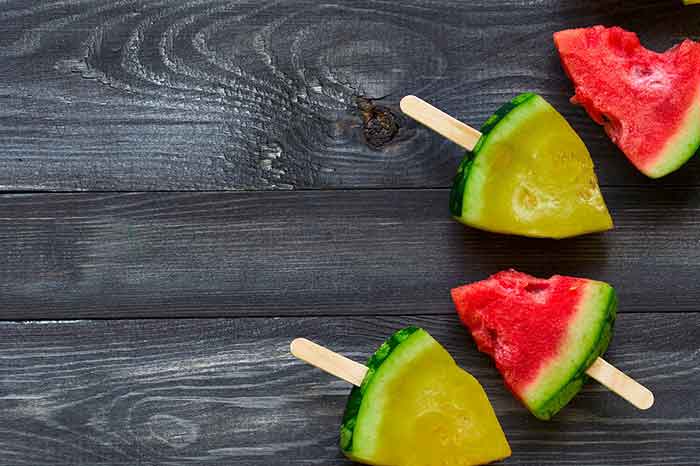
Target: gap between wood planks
{"x":281,"y":316}
{"x":652,"y":184}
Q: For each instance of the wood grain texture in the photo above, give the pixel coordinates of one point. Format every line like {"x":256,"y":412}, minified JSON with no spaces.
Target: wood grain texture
{"x":228,"y":392}
{"x":315,"y":253}
{"x":247,"y":94}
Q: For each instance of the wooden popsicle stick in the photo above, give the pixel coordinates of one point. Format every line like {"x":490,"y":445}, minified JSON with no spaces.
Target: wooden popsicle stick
{"x":440,"y":122}
{"x":354,"y":372}
{"x":328,"y":361}
{"x":620,"y":383}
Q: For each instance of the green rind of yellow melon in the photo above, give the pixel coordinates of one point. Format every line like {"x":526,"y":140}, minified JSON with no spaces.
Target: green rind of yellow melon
{"x":681,"y":147}
{"x":470,"y":206}
{"x":463,"y":171}
{"x":352,"y":409}
{"x":587,"y":338}
{"x":409,"y":352}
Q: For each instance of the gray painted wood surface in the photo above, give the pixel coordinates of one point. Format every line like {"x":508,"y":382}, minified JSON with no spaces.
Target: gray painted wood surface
{"x":315,"y":253}
{"x":221,"y":94}
{"x":227,"y":392}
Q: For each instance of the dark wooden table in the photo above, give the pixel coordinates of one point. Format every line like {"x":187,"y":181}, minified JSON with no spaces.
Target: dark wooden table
{"x":190,"y":184}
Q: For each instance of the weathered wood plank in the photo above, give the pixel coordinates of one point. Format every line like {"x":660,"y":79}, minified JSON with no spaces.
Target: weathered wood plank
{"x":221,"y":94}
{"x":314,"y":252}
{"x":227,"y":392}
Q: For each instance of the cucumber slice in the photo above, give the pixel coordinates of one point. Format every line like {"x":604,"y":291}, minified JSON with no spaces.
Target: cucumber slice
{"x":529,"y":174}
{"x":417,"y":407}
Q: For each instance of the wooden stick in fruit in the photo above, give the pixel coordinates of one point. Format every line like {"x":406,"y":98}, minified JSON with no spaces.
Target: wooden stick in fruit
{"x":415,"y":405}
{"x":326,"y":360}
{"x":622,"y":384}
{"x":440,"y":122}
{"x":526,"y":173}
{"x":545,"y":336}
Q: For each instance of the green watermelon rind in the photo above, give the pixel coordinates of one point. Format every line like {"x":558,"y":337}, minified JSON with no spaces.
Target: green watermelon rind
{"x":577,"y":378}
{"x":681,"y":147}
{"x":459,"y":183}
{"x":352,"y":409}
{"x":464,"y":171}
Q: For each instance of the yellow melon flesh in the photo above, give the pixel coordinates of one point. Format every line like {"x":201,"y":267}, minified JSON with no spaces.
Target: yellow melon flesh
{"x":426,"y":411}
{"x":533,"y":176}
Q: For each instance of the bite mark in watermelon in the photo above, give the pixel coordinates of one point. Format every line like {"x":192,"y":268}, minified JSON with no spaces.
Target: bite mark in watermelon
{"x":648,"y":102}
{"x":542,"y":334}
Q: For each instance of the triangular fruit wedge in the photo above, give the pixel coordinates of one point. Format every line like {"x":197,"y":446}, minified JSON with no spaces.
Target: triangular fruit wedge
{"x":542,"y":334}
{"x":648,"y":102}
{"x":416,"y":407}
{"x":529,"y":174}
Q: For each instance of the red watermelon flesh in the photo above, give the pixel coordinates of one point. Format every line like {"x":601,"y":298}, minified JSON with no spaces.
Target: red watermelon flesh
{"x":648,"y":102}
{"x":542,"y":334}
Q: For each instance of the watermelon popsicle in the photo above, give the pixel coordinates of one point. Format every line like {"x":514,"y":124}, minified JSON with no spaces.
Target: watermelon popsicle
{"x":525,"y":173}
{"x":412,"y":405}
{"x":546,"y":336}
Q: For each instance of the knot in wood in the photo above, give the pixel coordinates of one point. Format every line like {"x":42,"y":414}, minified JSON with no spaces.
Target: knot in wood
{"x":380,"y":124}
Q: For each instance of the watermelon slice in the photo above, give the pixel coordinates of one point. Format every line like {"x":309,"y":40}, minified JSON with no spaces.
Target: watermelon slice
{"x":648,"y":102}
{"x":416,"y":407}
{"x":529,"y":174}
{"x":542,"y":334}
